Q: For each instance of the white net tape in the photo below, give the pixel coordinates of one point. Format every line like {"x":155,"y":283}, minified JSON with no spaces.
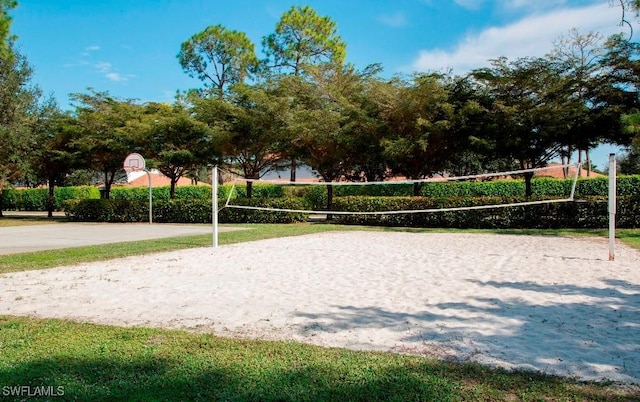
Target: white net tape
{"x":577,"y":167}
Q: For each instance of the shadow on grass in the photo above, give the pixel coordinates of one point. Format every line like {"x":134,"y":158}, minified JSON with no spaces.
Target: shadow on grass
{"x":154,"y":379}
{"x":95,"y":362}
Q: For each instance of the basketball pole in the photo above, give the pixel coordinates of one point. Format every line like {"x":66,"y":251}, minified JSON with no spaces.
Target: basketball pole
{"x":214,"y":203}
{"x":135,"y":162}
{"x":612,"y":205}
{"x":150,"y":197}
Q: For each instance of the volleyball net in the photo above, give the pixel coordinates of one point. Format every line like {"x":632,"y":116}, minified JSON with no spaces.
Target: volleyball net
{"x":404,"y":187}
{"x":568,"y":195}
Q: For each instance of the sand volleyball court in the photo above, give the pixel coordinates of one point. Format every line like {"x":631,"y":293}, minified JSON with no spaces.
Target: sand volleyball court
{"x":549,"y":304}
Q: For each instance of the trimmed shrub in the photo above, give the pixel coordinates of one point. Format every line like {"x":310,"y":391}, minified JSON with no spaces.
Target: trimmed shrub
{"x":316,"y":196}
{"x":626,"y":186}
{"x":598,"y":186}
{"x":33,"y":199}
{"x":10,"y":199}
{"x":100,"y":210}
{"x":193,"y":192}
{"x":399,"y":189}
{"x":193,"y":203}
{"x":235,"y":215}
{"x":541,"y":187}
{"x":182,"y":211}
{"x":259,"y":191}
{"x":64,"y":194}
{"x":139,"y":193}
{"x":591,"y":213}
{"x":627,"y":211}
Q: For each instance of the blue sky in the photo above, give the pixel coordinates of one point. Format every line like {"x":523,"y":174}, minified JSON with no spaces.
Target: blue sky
{"x":129,"y":47}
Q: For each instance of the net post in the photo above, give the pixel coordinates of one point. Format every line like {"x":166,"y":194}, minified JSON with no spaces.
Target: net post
{"x":214,"y":204}
{"x":612,"y":205}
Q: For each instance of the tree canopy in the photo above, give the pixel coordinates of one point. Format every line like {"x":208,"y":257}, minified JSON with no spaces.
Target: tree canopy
{"x":108,"y":132}
{"x":305,"y":103}
{"x":176,"y":142}
{"x":6,"y":38}
{"x":303,"y":38}
{"x":219,"y":57}
{"x":18,"y":103}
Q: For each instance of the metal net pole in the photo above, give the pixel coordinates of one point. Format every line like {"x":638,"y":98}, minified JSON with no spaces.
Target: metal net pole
{"x":612,"y":205}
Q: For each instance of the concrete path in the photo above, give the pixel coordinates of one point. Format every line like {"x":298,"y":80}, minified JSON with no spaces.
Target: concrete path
{"x":20,"y":239}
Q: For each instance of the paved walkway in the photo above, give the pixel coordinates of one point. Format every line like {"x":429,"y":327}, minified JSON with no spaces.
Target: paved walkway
{"x":20,"y":239}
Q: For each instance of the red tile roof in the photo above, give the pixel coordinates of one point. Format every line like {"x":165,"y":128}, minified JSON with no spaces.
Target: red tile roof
{"x":157,"y":180}
{"x":555,"y":170}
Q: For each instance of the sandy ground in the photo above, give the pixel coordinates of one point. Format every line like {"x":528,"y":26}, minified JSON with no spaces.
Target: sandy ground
{"x":549,"y":304}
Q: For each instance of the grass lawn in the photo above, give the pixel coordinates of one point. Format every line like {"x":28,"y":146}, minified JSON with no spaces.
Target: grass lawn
{"x":27,"y":221}
{"x":105,"y":363}
{"x":93,"y":362}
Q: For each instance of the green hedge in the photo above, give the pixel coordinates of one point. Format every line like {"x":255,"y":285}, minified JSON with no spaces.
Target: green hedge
{"x":183,"y":211}
{"x":235,"y":215}
{"x":541,"y":187}
{"x":101,"y":210}
{"x":35,"y":199}
{"x":139,"y":193}
{"x":195,"y":192}
{"x":75,"y":193}
{"x":589,"y":213}
{"x":314,"y":197}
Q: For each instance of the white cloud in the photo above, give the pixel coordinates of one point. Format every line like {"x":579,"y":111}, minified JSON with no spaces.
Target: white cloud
{"x":117,"y":77}
{"x":539,"y":5}
{"x":513,"y":5}
{"x":106,"y":68}
{"x":87,"y":50}
{"x":103,"y":66}
{"x":529,"y":36}
{"x":394,"y":20}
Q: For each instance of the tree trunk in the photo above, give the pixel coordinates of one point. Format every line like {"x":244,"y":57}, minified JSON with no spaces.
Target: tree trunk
{"x":249,"y":189}
{"x":417,"y":188}
{"x":579,"y":162}
{"x":329,"y":200}
{"x":294,"y":166}
{"x":108,"y":182}
{"x":528,"y":192}
{"x":588,"y":162}
{"x":566,"y":168}
{"x":172,"y":189}
{"x":107,"y":185}
{"x":1,"y":190}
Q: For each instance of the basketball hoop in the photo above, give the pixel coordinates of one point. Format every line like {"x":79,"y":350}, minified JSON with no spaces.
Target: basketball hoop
{"x":133,"y":162}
